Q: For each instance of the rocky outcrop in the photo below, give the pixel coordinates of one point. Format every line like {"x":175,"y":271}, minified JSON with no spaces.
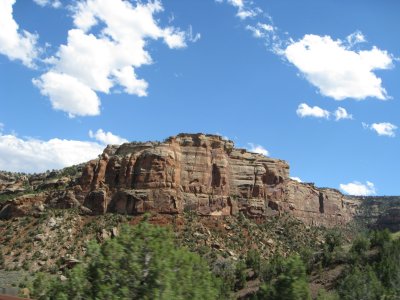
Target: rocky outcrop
{"x":10,"y":184}
{"x":390,"y":219}
{"x":205,"y":174}
{"x":379,"y":212}
{"x":21,"y":206}
{"x":202,"y":173}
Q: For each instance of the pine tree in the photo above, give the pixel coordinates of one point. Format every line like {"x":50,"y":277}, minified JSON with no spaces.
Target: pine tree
{"x":141,"y":263}
{"x":291,"y":284}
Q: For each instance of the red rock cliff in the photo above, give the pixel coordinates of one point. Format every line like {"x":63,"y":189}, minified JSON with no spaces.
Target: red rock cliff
{"x":205,"y":174}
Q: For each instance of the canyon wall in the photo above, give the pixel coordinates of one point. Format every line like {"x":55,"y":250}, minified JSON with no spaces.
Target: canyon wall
{"x":200,"y":173}
{"x":207,"y":175}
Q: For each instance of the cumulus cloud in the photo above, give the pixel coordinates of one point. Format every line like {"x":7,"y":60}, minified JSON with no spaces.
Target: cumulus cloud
{"x":257,"y":149}
{"x":342,"y":114}
{"x":32,"y":155}
{"x":359,"y":189}
{"x":52,"y":3}
{"x":15,"y":43}
{"x":382,"y":129}
{"x":107,"y":137}
{"x":69,"y":94}
{"x":338,"y":71}
{"x":338,"y":68}
{"x":103,"y":52}
{"x":304,"y":110}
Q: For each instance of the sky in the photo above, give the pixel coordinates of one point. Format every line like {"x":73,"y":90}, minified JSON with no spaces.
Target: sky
{"x":315,"y":83}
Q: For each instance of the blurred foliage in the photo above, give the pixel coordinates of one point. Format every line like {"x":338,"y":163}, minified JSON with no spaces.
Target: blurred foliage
{"x":291,"y":283}
{"x":151,"y":262}
{"x":141,"y":263}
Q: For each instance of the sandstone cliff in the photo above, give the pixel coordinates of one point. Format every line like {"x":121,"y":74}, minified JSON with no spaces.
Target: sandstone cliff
{"x":202,"y":173}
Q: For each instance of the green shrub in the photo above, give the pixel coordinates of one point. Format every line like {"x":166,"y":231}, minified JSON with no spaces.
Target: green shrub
{"x":325,"y":295}
{"x":333,"y":239}
{"x":360,"y":245}
{"x":225,"y":270}
{"x":253,"y":260}
{"x":273,"y":268}
{"x":361,"y":284}
{"x":380,"y":237}
{"x":141,"y":263}
{"x":240,"y":274}
{"x":359,"y":250}
{"x":291,"y":284}
{"x":388,"y":266}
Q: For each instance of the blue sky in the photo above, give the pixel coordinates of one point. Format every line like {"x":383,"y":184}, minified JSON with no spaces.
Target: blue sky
{"x":312,"y":82}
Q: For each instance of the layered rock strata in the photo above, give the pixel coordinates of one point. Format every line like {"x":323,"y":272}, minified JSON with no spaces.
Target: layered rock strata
{"x":207,"y":175}
{"x":195,"y":172}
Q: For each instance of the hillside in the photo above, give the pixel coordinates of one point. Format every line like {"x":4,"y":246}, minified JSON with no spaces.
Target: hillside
{"x":221,"y":202}
{"x":188,"y":172}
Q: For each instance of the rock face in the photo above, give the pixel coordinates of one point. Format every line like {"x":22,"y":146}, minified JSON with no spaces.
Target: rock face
{"x":205,"y":174}
{"x":189,"y":172}
{"x":379,"y":212}
{"x":390,"y":219}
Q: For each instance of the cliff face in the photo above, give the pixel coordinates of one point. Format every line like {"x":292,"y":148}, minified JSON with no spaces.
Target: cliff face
{"x":189,"y":172}
{"x":379,"y":211}
{"x":205,"y":174}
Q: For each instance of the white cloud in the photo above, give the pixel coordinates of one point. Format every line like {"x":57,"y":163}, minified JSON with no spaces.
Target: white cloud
{"x":304,"y":110}
{"x":127,"y":78}
{"x":224,"y":137}
{"x":382,"y":129}
{"x":387,"y":129}
{"x":261,"y":30}
{"x":296,"y":179}
{"x":34,"y":155}
{"x":266,"y":27}
{"x":52,"y":3}
{"x":258,"y":149}
{"x":175,"y":39}
{"x":236,"y":3}
{"x":338,"y":71}
{"x":342,"y":114}
{"x":244,"y":11}
{"x":31,"y":155}
{"x":355,"y":38}
{"x":191,"y":36}
{"x":275,"y":41}
{"x":107,"y":138}
{"x":16,"y":44}
{"x":244,"y":14}
{"x":68,"y":94}
{"x":103,"y":60}
{"x":358,"y":189}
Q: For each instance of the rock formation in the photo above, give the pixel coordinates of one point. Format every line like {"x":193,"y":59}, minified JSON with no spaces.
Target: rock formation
{"x":205,"y":174}
{"x":193,"y":172}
